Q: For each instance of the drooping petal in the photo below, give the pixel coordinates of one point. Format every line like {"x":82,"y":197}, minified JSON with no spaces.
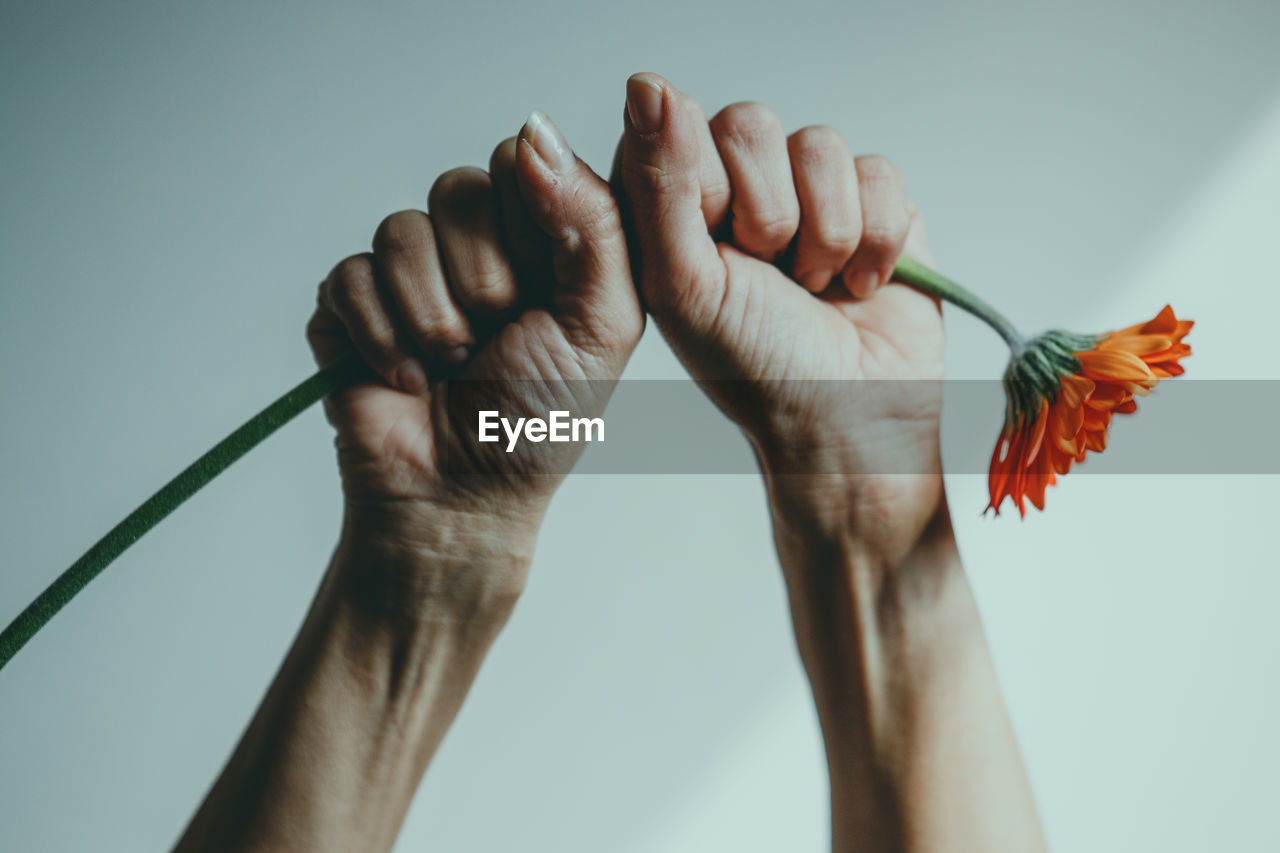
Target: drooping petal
{"x":1107,"y":395}
{"x":1139,"y":345}
{"x":1075,"y":388}
{"x":1035,"y":434}
{"x":1114,"y":365}
{"x":1060,"y":407}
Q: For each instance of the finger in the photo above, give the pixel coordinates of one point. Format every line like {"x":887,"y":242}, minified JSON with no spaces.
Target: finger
{"x":593,"y":295}
{"x":525,"y":243}
{"x":326,"y":336}
{"x":404,"y":249}
{"x":753,"y":147}
{"x":885,"y":222}
{"x":830,"y":214}
{"x":917,"y":244}
{"x":351,"y":294}
{"x":660,"y":169}
{"x":328,"y":340}
{"x":464,"y":213}
{"x":713,"y":180}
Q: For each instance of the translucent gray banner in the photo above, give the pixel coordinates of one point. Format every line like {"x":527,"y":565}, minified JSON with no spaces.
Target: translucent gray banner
{"x":1184,"y":426}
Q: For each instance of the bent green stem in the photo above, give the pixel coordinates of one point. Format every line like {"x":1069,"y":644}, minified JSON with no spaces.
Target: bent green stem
{"x":192,"y":479}
{"x":928,"y":281}
{"x":341,"y":373}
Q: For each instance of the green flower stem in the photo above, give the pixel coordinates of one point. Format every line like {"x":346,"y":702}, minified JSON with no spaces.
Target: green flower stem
{"x":337,"y":375}
{"x":192,"y":479}
{"x":933,"y":283}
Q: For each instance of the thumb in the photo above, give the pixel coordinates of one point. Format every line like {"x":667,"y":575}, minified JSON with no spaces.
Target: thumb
{"x":660,"y":170}
{"x":594,"y":298}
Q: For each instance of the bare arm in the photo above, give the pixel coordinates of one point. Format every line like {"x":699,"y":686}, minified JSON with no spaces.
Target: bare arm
{"x":919,"y":748}
{"x":518,"y":273}
{"x":371,"y":684}
{"x":765,"y":258}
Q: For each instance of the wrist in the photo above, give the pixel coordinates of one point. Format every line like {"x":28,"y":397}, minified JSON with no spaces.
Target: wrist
{"x":867,"y":560}
{"x":408,"y":563}
{"x":882,"y":498}
{"x":841,"y":546}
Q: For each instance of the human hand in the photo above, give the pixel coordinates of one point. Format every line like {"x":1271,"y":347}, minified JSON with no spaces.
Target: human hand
{"x":518,"y":273}
{"x":765,"y":261}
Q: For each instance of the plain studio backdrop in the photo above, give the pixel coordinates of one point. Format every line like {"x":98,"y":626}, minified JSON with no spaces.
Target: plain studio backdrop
{"x":176,"y":180}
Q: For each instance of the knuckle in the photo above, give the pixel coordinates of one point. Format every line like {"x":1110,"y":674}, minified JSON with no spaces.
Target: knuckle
{"x":435,"y":330}
{"x":458,"y":186}
{"x":316,"y":324}
{"x":489,"y":285}
{"x":381,"y":345}
{"x":352,"y":277}
{"x":374,"y":336}
{"x":883,"y":237}
{"x":649,"y":180}
{"x":595,"y":213}
{"x":503,"y":158}
{"x":405,"y":231}
{"x":746,"y":123}
{"x":774,"y":224}
{"x":875,"y":169}
{"x":717,"y":191}
{"x":816,"y":144}
{"x":835,"y":234}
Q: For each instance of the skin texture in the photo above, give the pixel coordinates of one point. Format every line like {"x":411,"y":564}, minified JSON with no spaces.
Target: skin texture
{"x":763,"y":257}
{"x":517,"y":273}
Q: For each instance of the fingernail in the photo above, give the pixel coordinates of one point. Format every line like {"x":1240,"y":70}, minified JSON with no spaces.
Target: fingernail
{"x":816,"y":281}
{"x":863,"y":283}
{"x":645,"y":104}
{"x":546,"y":139}
{"x":411,"y":376}
{"x":455,"y":355}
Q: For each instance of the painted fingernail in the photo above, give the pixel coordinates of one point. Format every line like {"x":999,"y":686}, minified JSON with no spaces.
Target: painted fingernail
{"x":546,"y":139}
{"x":410,"y":375}
{"x":863,"y":283}
{"x":645,"y":104}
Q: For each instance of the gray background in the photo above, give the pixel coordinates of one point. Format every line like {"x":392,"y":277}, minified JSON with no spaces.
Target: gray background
{"x":175,"y":179}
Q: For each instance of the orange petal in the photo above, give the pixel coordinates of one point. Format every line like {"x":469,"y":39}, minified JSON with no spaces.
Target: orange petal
{"x":1162,"y":324}
{"x":1066,"y":420}
{"x":1096,"y":419}
{"x":1139,"y":345}
{"x":1075,"y":389}
{"x":1036,"y":434}
{"x":1113,"y":364}
{"x":1158,"y":325}
{"x":1107,"y":395}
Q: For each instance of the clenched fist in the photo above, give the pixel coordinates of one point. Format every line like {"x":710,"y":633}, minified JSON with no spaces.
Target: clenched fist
{"x":765,"y":259}
{"x":513,"y":290}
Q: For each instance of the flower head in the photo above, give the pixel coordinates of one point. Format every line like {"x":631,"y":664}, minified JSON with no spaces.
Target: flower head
{"x":1061,"y":391}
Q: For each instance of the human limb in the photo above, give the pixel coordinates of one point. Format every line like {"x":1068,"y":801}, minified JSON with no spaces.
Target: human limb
{"x":518,"y":273}
{"x":765,"y":260}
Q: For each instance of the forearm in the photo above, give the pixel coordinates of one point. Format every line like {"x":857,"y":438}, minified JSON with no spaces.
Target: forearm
{"x":374,"y":679}
{"x":919,"y":747}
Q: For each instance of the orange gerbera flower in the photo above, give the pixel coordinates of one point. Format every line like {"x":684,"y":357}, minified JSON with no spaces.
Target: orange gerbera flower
{"x":1061,"y":391}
